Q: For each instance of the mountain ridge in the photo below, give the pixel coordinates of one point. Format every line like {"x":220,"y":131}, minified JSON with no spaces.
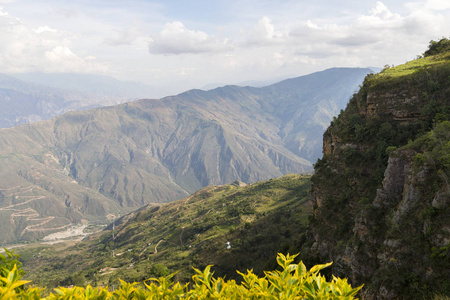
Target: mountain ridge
{"x":159,"y":150}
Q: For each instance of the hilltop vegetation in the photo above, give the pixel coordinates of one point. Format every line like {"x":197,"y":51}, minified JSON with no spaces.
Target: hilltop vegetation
{"x":438,"y":47}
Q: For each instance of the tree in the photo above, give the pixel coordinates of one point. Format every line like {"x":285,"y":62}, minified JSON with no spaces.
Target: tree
{"x":434,"y":47}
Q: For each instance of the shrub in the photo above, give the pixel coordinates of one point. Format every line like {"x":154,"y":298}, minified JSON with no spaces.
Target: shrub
{"x":293,"y":281}
{"x":434,"y":47}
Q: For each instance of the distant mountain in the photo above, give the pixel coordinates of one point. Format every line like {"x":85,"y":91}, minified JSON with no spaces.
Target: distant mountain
{"x":252,"y":83}
{"x":375,"y":69}
{"x":32,"y":97}
{"x":73,"y":167}
{"x":38,"y":96}
{"x":95,"y":85}
{"x":24,"y":102}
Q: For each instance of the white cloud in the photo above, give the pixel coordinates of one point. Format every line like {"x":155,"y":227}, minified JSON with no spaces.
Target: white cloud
{"x":242,"y":40}
{"x":42,"y":49}
{"x":276,"y":47}
{"x":175,"y":38}
{"x":62,"y":56}
{"x":380,"y":11}
{"x":379,"y":20}
{"x":424,"y":23}
{"x":264,"y":34}
{"x":43,"y":29}
{"x":369,"y":36}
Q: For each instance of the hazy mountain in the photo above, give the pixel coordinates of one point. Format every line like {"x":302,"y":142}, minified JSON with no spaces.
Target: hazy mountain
{"x":375,"y":69}
{"x":161,"y":150}
{"x":23,"y":102}
{"x":39,"y":96}
{"x":252,"y":83}
{"x":103,"y":86}
{"x":32,"y":97}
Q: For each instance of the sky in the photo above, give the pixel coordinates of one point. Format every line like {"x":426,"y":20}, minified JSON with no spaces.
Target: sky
{"x":180,"y":45}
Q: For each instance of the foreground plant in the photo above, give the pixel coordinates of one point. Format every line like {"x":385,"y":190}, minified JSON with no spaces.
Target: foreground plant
{"x":294,"y":281}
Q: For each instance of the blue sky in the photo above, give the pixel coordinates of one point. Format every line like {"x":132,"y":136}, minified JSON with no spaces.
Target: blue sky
{"x":180,"y":45}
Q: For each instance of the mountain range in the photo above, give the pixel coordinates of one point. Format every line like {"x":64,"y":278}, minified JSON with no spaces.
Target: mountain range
{"x":377,"y":205}
{"x":88,"y":165}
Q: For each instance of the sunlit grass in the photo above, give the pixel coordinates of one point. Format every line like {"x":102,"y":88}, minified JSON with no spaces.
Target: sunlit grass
{"x":414,"y":66}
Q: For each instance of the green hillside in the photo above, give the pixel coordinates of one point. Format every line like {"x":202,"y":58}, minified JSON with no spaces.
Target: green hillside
{"x":257,"y":220}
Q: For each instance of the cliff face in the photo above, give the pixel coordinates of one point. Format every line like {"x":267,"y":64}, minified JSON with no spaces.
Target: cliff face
{"x":381,"y":190}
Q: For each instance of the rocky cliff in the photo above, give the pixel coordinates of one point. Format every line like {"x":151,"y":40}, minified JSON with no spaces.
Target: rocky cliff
{"x":381,"y":208}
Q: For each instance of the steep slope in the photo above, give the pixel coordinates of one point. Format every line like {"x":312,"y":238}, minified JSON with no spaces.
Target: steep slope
{"x":257,"y":221}
{"x":306,"y":105}
{"x":152,"y":151}
{"x":381,"y":189}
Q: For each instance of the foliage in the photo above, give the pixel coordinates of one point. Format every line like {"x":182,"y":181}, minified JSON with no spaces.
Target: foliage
{"x":428,"y":73}
{"x":433,"y":147}
{"x":293,"y":281}
{"x":441,"y":46}
{"x":7,"y":262}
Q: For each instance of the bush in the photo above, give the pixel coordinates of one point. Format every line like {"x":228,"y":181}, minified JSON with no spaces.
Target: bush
{"x":437,"y":47}
{"x":294,"y":281}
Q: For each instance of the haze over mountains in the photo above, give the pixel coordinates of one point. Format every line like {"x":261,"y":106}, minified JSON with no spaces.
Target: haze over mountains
{"x":32,"y":97}
{"x":89,"y":84}
{"x":89,"y":164}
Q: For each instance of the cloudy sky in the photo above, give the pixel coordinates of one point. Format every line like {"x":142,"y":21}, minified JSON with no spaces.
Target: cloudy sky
{"x":187,"y":44}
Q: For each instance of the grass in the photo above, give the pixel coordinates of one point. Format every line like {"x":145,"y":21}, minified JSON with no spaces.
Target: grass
{"x":415,"y":65}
